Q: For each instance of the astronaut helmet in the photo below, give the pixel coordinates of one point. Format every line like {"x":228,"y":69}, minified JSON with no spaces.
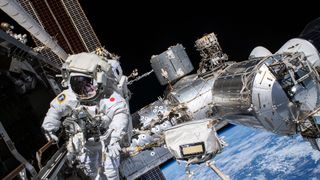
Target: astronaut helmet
{"x":88,"y":75}
{"x":85,"y":86}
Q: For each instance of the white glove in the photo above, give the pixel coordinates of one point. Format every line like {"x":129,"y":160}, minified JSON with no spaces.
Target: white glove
{"x":51,"y":136}
{"x":114,"y":149}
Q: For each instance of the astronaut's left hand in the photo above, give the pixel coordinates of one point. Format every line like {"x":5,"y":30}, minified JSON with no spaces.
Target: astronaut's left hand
{"x":114,"y":149}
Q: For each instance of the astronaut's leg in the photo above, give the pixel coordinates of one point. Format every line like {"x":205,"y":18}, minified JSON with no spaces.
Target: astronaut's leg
{"x":90,"y":160}
{"x":111,"y":167}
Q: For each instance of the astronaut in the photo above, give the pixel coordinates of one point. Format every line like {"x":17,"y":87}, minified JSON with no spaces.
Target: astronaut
{"x":96,"y":116}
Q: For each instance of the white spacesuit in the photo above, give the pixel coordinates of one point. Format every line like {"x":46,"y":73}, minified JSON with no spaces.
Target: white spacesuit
{"x":97,"y":118}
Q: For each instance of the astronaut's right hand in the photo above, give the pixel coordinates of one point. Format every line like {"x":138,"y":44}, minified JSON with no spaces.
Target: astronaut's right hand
{"x":51,"y":136}
{"x":114,"y":149}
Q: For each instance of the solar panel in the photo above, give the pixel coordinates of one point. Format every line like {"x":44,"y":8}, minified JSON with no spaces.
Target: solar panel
{"x":66,"y":22}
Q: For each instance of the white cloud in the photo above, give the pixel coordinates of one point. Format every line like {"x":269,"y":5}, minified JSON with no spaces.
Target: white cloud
{"x":239,"y":156}
{"x":316,"y":170}
{"x":284,"y":157}
{"x":276,"y":155}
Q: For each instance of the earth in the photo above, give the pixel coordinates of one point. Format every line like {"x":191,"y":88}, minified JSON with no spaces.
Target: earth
{"x":255,"y":154}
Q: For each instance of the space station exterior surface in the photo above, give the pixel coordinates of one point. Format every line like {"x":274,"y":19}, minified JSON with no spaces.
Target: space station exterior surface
{"x":275,"y":92}
{"x":278,"y":92}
